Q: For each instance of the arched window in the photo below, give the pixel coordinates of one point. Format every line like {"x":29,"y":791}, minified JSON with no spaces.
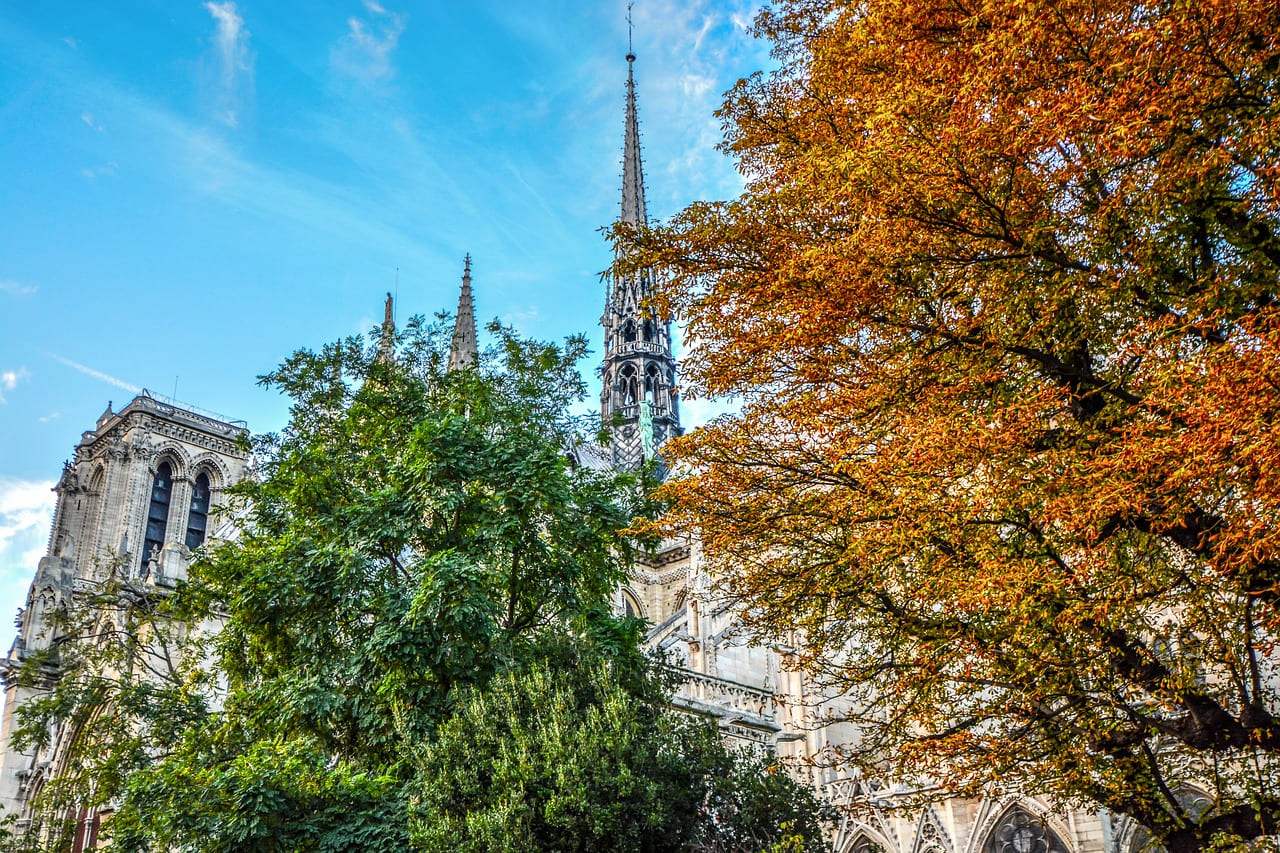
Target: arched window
{"x":630,"y":385}
{"x":1019,"y":832}
{"x":629,"y":331}
{"x":198,"y":517}
{"x":158,"y":512}
{"x":652,"y":380}
{"x":648,"y":330}
{"x":631,"y":606}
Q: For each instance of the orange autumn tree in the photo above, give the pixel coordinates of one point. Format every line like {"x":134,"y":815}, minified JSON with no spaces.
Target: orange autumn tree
{"x":1000,"y":303}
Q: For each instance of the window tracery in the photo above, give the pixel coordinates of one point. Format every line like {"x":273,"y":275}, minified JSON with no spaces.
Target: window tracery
{"x":1019,"y":832}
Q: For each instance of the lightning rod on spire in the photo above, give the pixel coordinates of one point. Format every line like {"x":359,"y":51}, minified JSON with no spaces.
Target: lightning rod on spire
{"x":631,"y":54}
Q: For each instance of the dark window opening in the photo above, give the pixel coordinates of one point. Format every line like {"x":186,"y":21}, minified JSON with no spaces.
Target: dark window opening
{"x":630,"y":386}
{"x":158,"y":512}
{"x":198,"y":517}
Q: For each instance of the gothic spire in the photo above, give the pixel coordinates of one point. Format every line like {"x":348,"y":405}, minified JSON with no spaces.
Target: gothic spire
{"x":633,"y":208}
{"x":465,"y":350}
{"x":639,"y":402}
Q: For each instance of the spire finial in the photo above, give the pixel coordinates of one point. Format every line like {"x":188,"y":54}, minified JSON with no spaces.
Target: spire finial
{"x":631,"y":54}
{"x":465,"y":350}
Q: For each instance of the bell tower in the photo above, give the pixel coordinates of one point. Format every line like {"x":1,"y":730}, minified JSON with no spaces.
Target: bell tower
{"x":638,"y":401}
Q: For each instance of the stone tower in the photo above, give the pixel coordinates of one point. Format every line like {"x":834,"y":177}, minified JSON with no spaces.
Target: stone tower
{"x":141,"y":493}
{"x":638,"y":399}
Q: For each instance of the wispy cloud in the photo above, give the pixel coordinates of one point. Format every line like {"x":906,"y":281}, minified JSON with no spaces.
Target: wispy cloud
{"x":49,"y":418}
{"x":235,"y":61}
{"x":88,"y":119}
{"x":17,"y":288}
{"x":106,"y":170}
{"x":71,"y":42}
{"x":365,"y":52}
{"x":26,"y":511}
{"x":96,"y":374}
{"x":9,"y":380}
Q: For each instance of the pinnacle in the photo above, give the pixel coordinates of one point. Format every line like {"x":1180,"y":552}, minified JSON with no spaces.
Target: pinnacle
{"x":465,"y":350}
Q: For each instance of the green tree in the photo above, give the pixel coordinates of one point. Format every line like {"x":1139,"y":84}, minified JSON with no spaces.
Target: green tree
{"x":1000,"y":302}
{"x":574,"y":757}
{"x":411,"y":531}
{"x":415,"y":546}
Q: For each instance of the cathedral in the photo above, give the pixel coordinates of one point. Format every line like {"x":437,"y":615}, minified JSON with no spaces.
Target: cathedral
{"x":143,"y":487}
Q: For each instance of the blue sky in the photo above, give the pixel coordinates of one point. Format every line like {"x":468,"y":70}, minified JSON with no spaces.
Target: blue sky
{"x":191,"y":190}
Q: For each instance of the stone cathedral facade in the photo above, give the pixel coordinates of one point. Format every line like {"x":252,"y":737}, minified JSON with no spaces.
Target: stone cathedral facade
{"x":142,"y":491}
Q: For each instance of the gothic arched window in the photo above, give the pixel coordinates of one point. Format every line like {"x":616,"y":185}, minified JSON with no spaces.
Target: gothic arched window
{"x":631,"y":605}
{"x":629,"y":331}
{"x":158,"y":512}
{"x":198,"y":517}
{"x":1019,"y":832}
{"x":630,"y":385}
{"x":652,"y":379}
{"x":865,"y":845}
{"x":648,"y":330}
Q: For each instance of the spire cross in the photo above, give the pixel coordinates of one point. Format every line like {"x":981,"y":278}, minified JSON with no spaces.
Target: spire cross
{"x":631,"y":54}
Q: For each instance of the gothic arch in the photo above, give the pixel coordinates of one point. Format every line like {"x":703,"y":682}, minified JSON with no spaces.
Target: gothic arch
{"x":98,"y":479}
{"x":631,"y":605}
{"x":863,"y":838}
{"x":931,"y":835}
{"x":1019,"y":831}
{"x":176,"y":456}
{"x":629,"y":384}
{"x":996,"y":815}
{"x":212,"y":464}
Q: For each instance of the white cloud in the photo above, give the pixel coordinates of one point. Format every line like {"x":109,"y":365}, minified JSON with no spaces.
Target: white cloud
{"x":49,"y":418}
{"x":365,"y":51}
{"x":96,"y":374}
{"x":88,"y":119}
{"x":14,"y":288}
{"x":26,"y":511}
{"x":72,"y":42}
{"x":9,"y":380}
{"x":232,"y":40}
{"x":235,"y":61}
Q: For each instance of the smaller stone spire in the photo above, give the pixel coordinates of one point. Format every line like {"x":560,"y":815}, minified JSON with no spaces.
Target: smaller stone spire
{"x":465,"y":350}
{"x":387,"y":346}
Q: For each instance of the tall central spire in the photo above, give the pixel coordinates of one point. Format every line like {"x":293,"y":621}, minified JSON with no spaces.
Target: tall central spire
{"x":633,"y":209}
{"x":638,"y":402}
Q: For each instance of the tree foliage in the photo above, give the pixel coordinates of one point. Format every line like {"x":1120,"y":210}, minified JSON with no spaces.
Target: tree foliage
{"x":412,"y":531}
{"x":418,"y":556}
{"x":1000,"y":299}
{"x":573,"y":757}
